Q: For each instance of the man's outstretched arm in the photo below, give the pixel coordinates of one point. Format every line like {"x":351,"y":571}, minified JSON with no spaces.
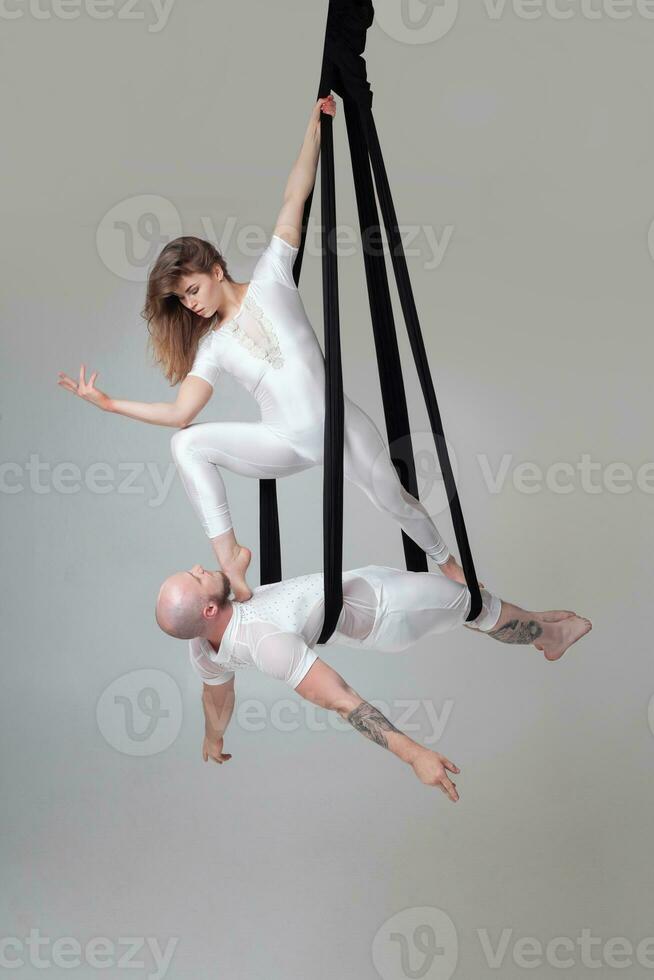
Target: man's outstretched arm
{"x":323,"y":686}
{"x":218,"y":705}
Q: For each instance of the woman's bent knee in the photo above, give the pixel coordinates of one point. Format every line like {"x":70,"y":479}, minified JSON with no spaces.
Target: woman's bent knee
{"x":181,"y":441}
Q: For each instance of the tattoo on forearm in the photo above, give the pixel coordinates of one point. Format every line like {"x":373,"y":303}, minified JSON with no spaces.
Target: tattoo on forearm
{"x":517,"y":631}
{"x":371,"y":723}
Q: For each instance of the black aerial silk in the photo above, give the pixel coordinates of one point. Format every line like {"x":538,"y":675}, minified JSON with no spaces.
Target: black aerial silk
{"x":344,"y":72}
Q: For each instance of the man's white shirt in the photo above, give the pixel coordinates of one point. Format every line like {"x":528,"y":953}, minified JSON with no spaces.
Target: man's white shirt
{"x":273,"y":631}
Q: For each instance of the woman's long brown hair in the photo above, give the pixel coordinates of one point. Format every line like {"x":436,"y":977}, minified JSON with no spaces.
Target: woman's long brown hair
{"x":175,"y":331}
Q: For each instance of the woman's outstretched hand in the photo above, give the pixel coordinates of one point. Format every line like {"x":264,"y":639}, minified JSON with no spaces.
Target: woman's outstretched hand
{"x":327,"y":105}
{"x":85,"y":389}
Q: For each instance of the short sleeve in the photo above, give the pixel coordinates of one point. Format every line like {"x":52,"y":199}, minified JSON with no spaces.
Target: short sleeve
{"x":285,"y":656}
{"x":276,"y":263}
{"x":205,"y":668}
{"x":205,"y":364}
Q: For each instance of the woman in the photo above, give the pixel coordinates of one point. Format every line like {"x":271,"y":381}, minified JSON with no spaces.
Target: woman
{"x":202,"y":323}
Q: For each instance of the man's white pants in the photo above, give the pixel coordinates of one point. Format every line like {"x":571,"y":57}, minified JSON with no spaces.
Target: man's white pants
{"x":390,"y":609}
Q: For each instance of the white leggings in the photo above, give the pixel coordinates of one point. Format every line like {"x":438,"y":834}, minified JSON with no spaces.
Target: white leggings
{"x":413,"y":605}
{"x":258,"y":450}
{"x":390,"y":609}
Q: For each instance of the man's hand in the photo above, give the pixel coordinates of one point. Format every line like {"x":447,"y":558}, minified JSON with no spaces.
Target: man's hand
{"x":85,"y":389}
{"x":212,"y":748}
{"x":431,"y":769}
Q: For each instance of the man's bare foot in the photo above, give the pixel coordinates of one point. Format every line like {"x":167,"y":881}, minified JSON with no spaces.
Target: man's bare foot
{"x":557,"y":637}
{"x":551,"y":631}
{"x":235,"y":569}
{"x":554,"y":615}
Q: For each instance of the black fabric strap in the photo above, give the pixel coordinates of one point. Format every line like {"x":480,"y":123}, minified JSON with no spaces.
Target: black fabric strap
{"x":270,"y":555}
{"x":333,"y":441}
{"x":389,"y":365}
{"x":344,"y":72}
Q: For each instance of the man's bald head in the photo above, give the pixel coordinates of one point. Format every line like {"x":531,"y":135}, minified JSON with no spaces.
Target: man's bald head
{"x":188,"y":602}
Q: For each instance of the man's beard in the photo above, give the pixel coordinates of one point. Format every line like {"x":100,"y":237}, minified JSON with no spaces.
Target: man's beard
{"x":222,"y":595}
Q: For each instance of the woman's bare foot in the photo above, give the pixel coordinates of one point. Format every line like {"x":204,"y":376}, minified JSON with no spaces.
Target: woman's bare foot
{"x":235,"y":568}
{"x":234,"y":559}
{"x":452,"y":569}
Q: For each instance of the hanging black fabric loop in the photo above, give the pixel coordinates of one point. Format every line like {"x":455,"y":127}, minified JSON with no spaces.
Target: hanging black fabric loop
{"x":422,"y":364}
{"x":334,"y":401}
{"x":344,"y":72}
{"x":389,"y":365}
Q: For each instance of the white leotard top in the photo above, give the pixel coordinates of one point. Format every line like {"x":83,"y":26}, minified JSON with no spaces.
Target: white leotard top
{"x":270,"y":347}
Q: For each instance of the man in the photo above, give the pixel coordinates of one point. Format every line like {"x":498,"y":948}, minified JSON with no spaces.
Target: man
{"x":383,"y":609}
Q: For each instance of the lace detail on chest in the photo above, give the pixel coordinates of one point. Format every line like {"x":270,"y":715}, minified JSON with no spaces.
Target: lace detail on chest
{"x":269,"y":350}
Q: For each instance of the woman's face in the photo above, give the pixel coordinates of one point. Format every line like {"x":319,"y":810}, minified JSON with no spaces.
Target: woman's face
{"x":200,"y":292}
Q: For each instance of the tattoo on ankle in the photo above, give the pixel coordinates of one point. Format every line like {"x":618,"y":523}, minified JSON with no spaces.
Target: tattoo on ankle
{"x":517,"y":631}
{"x":371,"y":723}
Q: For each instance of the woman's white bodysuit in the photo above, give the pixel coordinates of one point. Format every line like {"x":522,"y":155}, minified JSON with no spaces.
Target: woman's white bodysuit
{"x":270,"y":347}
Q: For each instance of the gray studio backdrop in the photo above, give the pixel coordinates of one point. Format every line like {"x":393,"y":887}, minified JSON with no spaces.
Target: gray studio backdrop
{"x":519,"y":144}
